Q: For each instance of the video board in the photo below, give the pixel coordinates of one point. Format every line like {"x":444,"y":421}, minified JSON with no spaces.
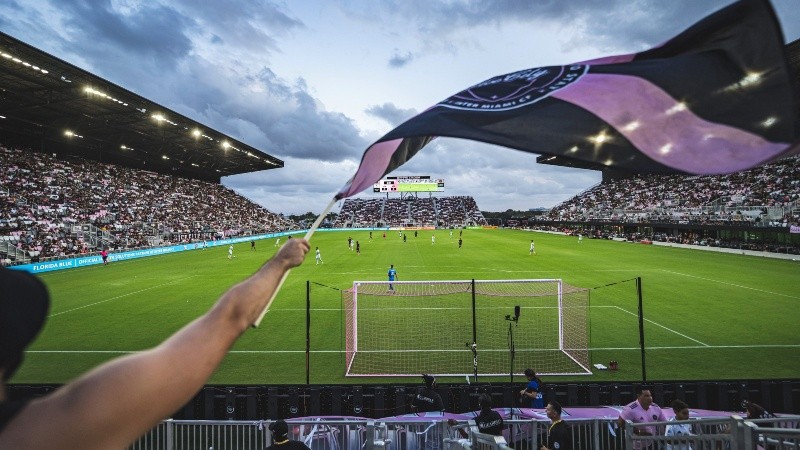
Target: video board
{"x":409,"y":183}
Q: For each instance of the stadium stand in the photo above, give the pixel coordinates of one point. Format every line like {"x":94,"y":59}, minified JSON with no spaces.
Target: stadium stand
{"x":682,"y":209}
{"x":767,"y":196}
{"x":452,"y":211}
{"x":51,"y":208}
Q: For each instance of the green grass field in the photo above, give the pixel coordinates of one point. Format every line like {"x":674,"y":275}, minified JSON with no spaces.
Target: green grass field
{"x":708,"y":315}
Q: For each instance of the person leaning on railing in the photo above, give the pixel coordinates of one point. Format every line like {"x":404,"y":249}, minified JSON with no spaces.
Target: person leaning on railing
{"x":642,"y":410}
{"x":115,"y":403}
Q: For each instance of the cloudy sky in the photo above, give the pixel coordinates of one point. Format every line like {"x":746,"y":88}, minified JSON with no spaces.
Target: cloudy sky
{"x":315,"y":82}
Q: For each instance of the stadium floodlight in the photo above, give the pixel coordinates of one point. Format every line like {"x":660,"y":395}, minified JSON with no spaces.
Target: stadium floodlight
{"x":196,"y":133}
{"x":414,"y":327}
{"x":225,"y":145}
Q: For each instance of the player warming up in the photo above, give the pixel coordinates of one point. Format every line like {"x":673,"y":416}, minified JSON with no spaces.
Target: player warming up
{"x":318,"y":257}
{"x":533,"y":249}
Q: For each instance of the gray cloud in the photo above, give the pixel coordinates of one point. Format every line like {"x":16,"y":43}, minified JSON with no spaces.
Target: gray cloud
{"x":391,"y":113}
{"x":154,"y":34}
{"x":222,"y":85}
{"x":397,"y":60}
{"x":613,"y":25}
{"x":246,"y":25}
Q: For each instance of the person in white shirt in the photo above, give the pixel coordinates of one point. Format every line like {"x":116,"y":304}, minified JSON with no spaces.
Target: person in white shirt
{"x":681,"y":410}
{"x":318,"y":257}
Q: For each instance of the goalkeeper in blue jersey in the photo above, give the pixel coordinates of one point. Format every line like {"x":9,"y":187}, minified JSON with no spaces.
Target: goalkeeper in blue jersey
{"x":392,"y":276}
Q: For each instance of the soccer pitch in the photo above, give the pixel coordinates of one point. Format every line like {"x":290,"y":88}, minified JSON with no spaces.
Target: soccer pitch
{"x":707,"y":315}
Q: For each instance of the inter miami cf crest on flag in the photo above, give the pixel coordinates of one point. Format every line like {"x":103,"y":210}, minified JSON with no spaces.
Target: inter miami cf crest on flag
{"x":718,"y":98}
{"x":514,"y":90}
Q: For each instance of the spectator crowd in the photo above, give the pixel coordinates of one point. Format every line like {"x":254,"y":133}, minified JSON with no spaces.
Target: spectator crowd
{"x":452,"y":211}
{"x":764,"y":196}
{"x":53,"y":207}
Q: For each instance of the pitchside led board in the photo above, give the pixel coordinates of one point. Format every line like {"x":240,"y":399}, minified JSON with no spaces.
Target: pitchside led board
{"x":409,"y":183}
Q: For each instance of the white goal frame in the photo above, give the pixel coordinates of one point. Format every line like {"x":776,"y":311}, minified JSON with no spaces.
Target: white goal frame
{"x":568,"y":342}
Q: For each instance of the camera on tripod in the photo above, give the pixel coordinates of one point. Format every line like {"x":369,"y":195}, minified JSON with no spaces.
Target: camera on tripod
{"x":515,"y":318}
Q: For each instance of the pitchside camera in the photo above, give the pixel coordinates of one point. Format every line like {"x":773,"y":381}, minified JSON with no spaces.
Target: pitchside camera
{"x":516,"y":314}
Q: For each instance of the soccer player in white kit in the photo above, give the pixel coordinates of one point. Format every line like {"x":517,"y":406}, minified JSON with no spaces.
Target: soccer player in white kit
{"x":277,"y":242}
{"x":230,"y":251}
{"x":533,"y":250}
{"x":433,"y":239}
{"x":318,"y":257}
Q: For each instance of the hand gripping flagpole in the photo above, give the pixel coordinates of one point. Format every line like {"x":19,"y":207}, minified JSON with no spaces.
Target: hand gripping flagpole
{"x":286,"y":274}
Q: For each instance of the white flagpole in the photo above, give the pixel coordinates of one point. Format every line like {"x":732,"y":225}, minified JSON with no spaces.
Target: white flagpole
{"x":307,"y":237}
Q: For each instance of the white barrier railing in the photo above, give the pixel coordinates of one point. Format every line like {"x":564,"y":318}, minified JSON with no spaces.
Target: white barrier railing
{"x":733,"y":433}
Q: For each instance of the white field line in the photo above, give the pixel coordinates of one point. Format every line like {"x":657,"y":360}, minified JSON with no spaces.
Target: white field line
{"x":666,"y":328}
{"x":732,"y":284}
{"x":121,"y":296}
{"x":487,"y":269}
{"x":261,"y":352}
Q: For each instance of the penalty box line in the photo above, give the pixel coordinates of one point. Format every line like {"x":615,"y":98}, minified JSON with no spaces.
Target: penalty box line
{"x":664,"y":327}
{"x":732,"y":284}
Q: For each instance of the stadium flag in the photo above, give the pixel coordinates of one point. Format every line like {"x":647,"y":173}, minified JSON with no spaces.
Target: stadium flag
{"x":718,"y":98}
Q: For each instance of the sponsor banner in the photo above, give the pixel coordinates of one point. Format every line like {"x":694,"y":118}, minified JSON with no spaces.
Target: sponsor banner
{"x":84,"y":261}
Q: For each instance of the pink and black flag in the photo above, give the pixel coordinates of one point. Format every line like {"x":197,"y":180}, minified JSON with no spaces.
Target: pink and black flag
{"x":718,"y":98}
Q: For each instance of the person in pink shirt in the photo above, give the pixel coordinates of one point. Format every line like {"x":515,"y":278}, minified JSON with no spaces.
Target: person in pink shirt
{"x":104,"y":254}
{"x":642,"y":410}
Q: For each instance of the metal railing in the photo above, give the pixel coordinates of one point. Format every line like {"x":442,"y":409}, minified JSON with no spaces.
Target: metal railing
{"x":732,"y":433}
{"x":772,"y":434}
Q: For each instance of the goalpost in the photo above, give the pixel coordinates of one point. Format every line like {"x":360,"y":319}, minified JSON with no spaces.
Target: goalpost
{"x":404,"y":328}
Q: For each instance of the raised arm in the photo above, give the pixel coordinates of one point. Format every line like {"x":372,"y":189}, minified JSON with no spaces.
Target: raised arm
{"x":115,"y":403}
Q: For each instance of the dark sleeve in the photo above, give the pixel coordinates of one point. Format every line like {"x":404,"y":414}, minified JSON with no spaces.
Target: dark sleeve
{"x":438,"y":405}
{"x":414,"y":403}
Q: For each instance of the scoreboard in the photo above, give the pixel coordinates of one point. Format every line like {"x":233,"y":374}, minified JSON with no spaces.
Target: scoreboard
{"x":423,"y":183}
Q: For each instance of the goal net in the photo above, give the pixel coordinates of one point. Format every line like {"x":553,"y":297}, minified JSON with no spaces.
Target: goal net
{"x":414,"y":327}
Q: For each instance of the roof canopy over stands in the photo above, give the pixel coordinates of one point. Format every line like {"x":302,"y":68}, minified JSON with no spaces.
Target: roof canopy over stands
{"x":50,"y":105}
